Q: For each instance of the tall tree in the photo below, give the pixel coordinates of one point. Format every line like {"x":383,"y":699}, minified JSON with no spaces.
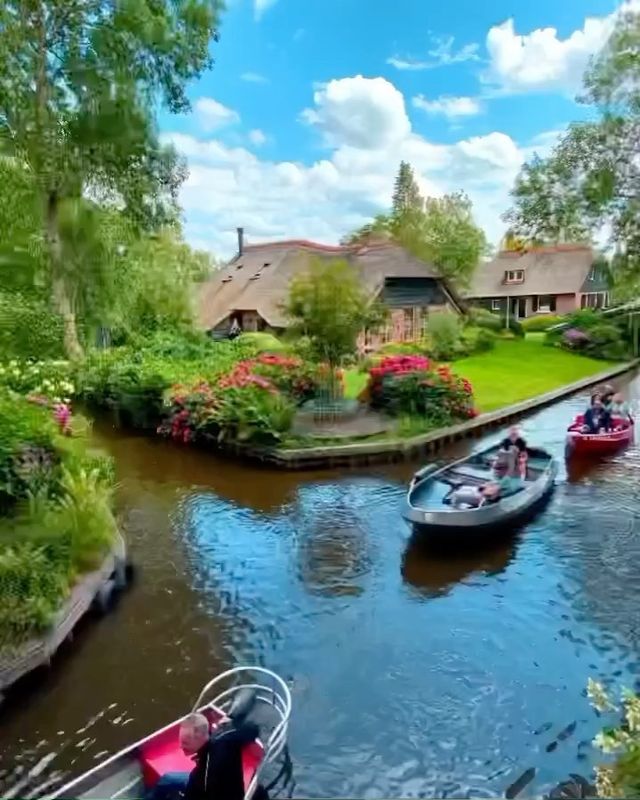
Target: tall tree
{"x":406,"y":195}
{"x":591,"y":181}
{"x":80,"y":82}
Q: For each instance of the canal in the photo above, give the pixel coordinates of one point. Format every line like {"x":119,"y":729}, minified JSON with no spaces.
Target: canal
{"x":412,"y":675}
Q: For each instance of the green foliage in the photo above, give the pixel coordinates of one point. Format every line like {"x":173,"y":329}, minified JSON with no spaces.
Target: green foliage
{"x":514,"y":326}
{"x":444,"y":332}
{"x":249,"y":414}
{"x":402,"y":348}
{"x":439,"y":231}
{"x":47,"y":379}
{"x":33,"y":584}
{"x":590,"y":334}
{"x":80,"y":84}
{"x":133,"y":380}
{"x":621,"y":777}
{"x":329,"y":307}
{"x":477,"y":340}
{"x":28,"y":328}
{"x":590,"y":180}
{"x":27,"y":448}
{"x":483,"y":318}
{"x":263,"y":342}
{"x":541,"y":322}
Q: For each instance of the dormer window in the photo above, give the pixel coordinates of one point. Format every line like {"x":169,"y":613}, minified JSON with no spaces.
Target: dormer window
{"x":239,"y":265}
{"x":227,"y":279}
{"x":255,"y":277}
{"x":592,"y":274}
{"x":266,"y":264}
{"x":514,"y":276}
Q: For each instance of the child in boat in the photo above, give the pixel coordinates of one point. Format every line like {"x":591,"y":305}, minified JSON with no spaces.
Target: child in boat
{"x":596,"y":418}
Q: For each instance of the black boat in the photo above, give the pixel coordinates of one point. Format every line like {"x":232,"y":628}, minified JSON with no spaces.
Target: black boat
{"x":428,"y":504}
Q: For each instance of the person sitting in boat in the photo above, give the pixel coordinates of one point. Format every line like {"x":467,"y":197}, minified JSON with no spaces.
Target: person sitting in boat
{"x":619,"y":408}
{"x":508,"y":477}
{"x":596,"y":418}
{"x":217,"y":773}
{"x":514,"y":438}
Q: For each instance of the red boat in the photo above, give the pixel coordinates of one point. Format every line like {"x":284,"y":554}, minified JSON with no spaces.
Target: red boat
{"x":579,"y":443}
{"x":131,"y":772}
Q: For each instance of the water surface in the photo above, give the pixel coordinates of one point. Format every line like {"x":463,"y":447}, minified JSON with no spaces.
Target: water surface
{"x":413,"y":675}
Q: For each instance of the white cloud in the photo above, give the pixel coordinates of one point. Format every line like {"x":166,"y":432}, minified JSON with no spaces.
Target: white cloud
{"x":541,"y":60}
{"x":360,"y":112}
{"x":212,"y":115}
{"x":257,"y":137}
{"x":441,"y":54}
{"x":254,"y":77}
{"x":366,"y":124}
{"x":260,"y":6}
{"x":450,"y":107}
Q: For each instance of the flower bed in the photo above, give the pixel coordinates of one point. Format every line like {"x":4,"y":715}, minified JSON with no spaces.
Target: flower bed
{"x":254,"y":402}
{"x":414,"y":386}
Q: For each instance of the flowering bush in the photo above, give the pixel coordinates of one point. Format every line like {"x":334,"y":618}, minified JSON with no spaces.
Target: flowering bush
{"x":288,"y":374}
{"x":51,"y":380}
{"x":413,"y":385}
{"x":243,"y":405}
{"x":621,"y":778}
{"x":575,"y":339}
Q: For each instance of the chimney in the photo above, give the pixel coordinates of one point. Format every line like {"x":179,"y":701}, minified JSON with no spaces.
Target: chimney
{"x":240,"y":241}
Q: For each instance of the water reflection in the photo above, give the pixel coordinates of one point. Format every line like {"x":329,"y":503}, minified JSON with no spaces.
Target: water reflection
{"x":434,"y":575}
{"x":412,"y":674}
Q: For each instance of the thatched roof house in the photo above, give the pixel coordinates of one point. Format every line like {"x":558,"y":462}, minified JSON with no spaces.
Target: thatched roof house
{"x":254,"y":285}
{"x":556,"y":279}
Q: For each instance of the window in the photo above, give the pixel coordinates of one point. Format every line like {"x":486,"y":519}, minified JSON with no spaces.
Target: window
{"x":227,"y":279}
{"x":239,"y":266}
{"x":255,"y":277}
{"x":595,"y":300}
{"x":514,"y":276}
{"x":496,"y":305}
{"x":592,"y":274}
{"x":543,"y":303}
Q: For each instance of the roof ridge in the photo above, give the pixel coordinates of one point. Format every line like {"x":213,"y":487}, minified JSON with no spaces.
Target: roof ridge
{"x":329,"y":248}
{"x":551,"y":248}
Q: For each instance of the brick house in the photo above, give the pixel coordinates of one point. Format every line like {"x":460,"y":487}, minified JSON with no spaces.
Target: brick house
{"x":252,"y":288}
{"x":545,"y":280}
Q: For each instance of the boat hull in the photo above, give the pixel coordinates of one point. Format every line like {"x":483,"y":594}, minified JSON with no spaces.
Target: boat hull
{"x":479,"y":524}
{"x":589,"y":444}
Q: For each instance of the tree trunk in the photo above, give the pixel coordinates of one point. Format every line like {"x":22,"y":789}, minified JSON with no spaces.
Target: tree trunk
{"x":59,"y":289}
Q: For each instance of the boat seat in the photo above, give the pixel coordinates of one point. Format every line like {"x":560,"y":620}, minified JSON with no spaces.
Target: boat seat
{"x":164,"y":754}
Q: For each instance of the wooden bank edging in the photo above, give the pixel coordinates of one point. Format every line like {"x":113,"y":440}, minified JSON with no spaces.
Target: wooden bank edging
{"x":16,"y":662}
{"x":392,"y":450}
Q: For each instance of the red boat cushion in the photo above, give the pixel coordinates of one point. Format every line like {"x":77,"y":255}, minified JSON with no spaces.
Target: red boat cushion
{"x":163,"y":754}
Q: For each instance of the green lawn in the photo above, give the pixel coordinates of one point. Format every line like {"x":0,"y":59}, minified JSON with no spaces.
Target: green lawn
{"x":517,"y":369}
{"x":354,"y":382}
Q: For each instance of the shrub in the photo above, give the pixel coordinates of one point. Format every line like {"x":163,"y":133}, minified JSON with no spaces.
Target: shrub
{"x":33,"y":583}
{"x":402,"y":348}
{"x":444,"y":331}
{"x":263,"y":342}
{"x":27,"y":448}
{"x":541,"y":322}
{"x":600,"y":340}
{"x":29,"y":329}
{"x":513,"y":326}
{"x":483,"y":318}
{"x":478,"y":340}
{"x":410,"y":385}
{"x":52,"y":380}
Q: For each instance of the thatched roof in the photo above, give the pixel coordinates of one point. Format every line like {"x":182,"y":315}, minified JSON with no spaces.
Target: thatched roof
{"x":562,"y":269}
{"x":259,"y":278}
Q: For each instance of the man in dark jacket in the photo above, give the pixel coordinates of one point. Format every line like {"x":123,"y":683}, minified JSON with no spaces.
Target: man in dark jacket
{"x":217,"y":774}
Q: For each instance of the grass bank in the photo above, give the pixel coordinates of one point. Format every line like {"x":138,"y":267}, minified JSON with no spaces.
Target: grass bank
{"x":515,"y":370}
{"x":519,"y":369}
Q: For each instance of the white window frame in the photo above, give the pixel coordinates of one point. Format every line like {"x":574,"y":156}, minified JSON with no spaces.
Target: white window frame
{"x":544,"y":309}
{"x":496,"y":305}
{"x":515,"y":276}
{"x":595,"y":295}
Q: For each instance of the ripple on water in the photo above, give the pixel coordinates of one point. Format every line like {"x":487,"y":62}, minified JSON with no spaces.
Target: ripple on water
{"x":412,"y":675}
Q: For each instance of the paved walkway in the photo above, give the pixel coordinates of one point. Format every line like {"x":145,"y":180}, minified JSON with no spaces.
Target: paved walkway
{"x":363,"y":423}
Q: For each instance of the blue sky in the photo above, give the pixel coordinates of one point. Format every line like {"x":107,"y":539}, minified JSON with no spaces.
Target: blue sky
{"x":299,"y":128}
